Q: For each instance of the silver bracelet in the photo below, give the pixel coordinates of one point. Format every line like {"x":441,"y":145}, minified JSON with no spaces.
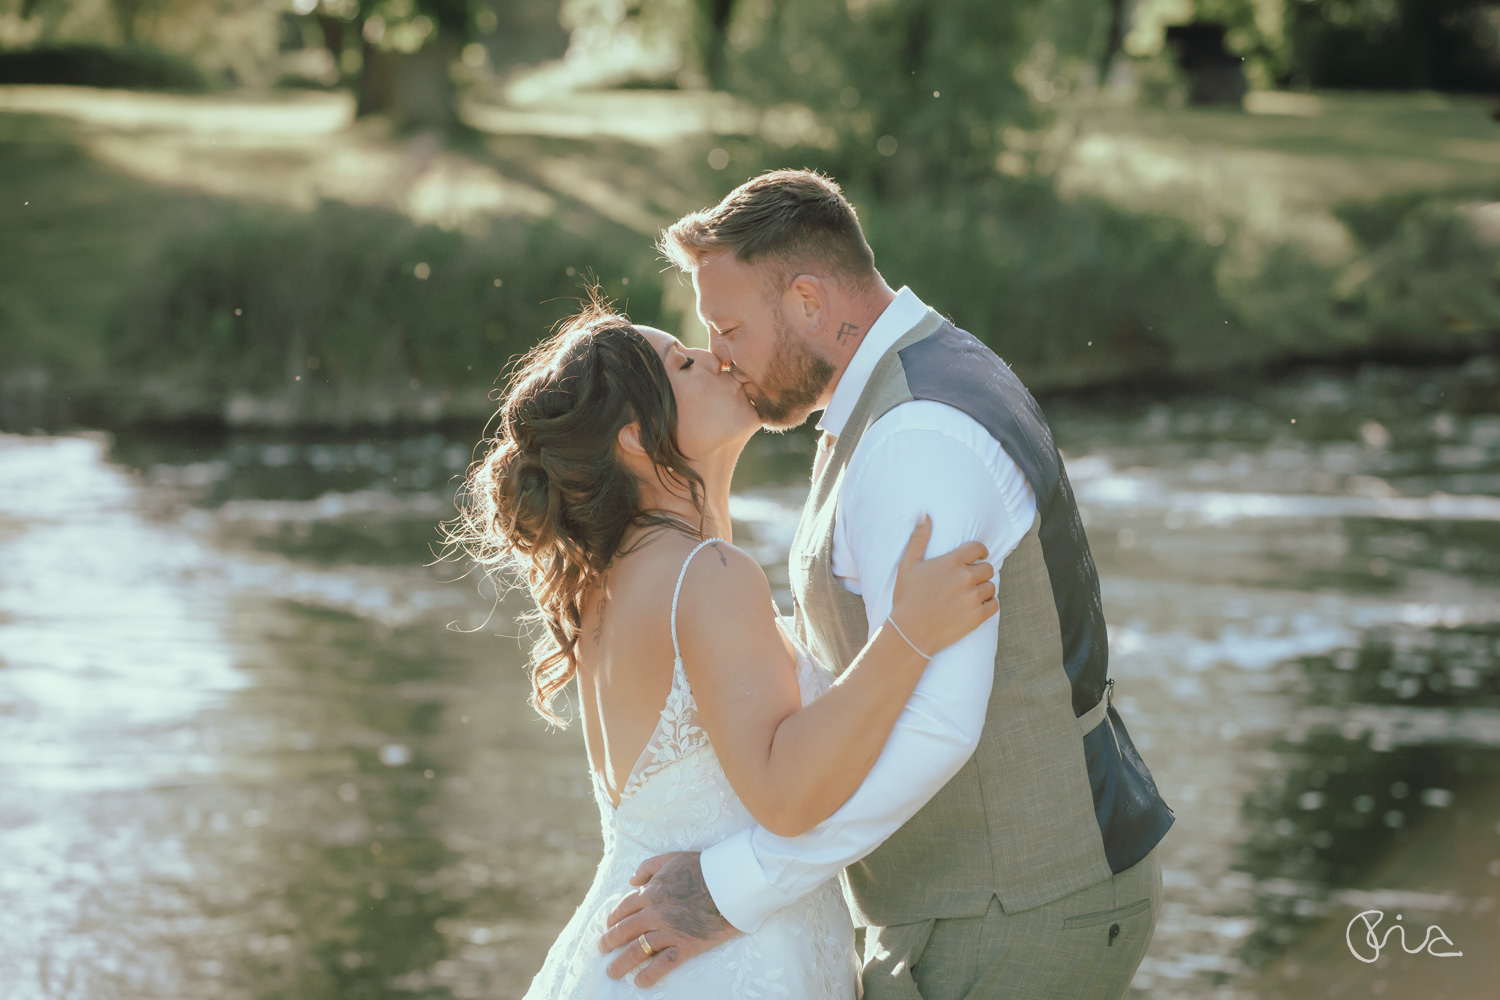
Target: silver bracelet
{"x":908,"y":641}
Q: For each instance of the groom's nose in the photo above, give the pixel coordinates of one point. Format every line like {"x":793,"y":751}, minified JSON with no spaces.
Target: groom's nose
{"x":721,"y":351}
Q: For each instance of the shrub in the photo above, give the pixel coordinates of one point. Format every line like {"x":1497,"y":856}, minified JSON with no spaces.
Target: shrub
{"x":1396,"y":44}
{"x":353,"y":297}
{"x":1069,"y":292}
{"x":134,"y":68}
{"x":1081,"y":291}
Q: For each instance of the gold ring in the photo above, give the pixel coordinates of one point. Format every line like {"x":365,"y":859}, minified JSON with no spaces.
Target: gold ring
{"x":724,"y":369}
{"x":645,"y":946}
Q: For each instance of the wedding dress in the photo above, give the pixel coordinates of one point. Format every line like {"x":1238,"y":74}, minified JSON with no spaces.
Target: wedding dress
{"x":677,"y":799}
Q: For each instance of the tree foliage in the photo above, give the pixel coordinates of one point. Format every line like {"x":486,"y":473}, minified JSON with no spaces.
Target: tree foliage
{"x":1388,"y":44}
{"x":913,"y":89}
{"x":1396,"y":44}
{"x":402,"y":53}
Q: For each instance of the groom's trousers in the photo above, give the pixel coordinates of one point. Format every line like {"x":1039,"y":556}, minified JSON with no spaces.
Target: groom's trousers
{"x":1085,"y":946}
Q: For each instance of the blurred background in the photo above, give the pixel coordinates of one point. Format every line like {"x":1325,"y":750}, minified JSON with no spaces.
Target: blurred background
{"x":263,"y":262}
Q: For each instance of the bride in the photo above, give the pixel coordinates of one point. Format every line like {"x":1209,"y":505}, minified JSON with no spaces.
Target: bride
{"x":606,"y":485}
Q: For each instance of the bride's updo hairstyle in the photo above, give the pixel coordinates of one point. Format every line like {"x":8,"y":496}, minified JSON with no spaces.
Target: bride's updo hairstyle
{"x":551,"y":501}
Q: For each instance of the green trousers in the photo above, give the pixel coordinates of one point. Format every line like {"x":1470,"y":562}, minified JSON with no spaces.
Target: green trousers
{"x":1086,"y":946}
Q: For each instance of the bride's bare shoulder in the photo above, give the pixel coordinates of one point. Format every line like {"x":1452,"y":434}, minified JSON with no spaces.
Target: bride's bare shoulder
{"x":723,"y":582}
{"x":668,"y":553}
{"x":640,"y":583}
{"x":728,"y":557}
{"x":723,"y":565}
{"x":648,"y":569}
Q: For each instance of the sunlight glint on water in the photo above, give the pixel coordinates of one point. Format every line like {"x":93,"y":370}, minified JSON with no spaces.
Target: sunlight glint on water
{"x":246,"y":755}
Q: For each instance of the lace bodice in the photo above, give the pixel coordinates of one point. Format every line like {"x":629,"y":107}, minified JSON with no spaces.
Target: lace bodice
{"x":677,"y":798}
{"x":678,"y":759}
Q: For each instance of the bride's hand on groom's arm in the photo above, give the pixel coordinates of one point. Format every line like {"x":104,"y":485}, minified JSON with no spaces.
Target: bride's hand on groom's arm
{"x":940,"y":600}
{"x":672,"y":909}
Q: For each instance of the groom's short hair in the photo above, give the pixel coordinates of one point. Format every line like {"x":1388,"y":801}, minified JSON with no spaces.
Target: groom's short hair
{"x":794,"y":220}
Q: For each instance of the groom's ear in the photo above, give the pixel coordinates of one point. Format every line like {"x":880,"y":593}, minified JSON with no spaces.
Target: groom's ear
{"x":809,"y":302}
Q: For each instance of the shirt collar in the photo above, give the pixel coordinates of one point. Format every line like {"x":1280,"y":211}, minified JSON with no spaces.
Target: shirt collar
{"x":904,"y":312}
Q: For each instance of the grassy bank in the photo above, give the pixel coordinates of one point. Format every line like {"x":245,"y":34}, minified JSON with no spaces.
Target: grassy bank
{"x":342,"y":315}
{"x":269,"y":262}
{"x":1333,"y":224}
{"x":266,"y":262}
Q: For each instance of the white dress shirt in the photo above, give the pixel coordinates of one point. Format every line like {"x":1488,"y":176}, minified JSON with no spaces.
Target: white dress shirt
{"x":920,"y":457}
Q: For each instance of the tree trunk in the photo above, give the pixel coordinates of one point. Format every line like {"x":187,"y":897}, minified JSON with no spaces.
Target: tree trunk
{"x":333,"y":36}
{"x":126,"y":14}
{"x":712,"y":24}
{"x":415,"y":90}
{"x":1116,"y":38}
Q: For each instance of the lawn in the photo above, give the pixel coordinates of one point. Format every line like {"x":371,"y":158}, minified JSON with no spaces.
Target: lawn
{"x":1279,"y":171}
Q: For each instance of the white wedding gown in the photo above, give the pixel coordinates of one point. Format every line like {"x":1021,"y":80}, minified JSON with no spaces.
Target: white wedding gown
{"x":677,"y":799}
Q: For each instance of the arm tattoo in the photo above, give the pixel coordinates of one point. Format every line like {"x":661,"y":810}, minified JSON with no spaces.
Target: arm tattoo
{"x":720,"y":553}
{"x":686,"y":905}
{"x":846,"y":331}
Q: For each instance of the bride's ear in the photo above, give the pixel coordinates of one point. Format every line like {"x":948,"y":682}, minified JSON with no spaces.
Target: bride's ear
{"x":629,"y":440}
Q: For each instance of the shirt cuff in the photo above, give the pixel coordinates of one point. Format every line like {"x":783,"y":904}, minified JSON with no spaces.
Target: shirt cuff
{"x":737,"y":883}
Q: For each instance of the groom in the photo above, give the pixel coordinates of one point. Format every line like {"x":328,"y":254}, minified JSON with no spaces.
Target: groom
{"x":1004,"y":843}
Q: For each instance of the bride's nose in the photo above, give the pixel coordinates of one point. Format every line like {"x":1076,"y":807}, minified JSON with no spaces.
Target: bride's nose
{"x":709,"y":358}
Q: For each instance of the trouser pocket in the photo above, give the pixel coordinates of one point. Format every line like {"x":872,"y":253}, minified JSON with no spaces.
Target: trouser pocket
{"x":1107,"y":916}
{"x":1108,"y":946}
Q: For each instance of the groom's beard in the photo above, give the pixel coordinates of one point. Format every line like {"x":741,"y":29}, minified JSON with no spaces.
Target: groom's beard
{"x":794,"y":380}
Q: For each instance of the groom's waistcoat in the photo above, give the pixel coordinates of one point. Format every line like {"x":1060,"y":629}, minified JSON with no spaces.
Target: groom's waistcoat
{"x":1055,"y":798}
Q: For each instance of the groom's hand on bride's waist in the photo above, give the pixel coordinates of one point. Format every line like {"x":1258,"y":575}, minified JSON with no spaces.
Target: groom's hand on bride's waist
{"x":672,"y":910}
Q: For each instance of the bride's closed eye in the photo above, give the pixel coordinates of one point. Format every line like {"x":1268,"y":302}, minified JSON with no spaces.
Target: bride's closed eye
{"x":687,"y":364}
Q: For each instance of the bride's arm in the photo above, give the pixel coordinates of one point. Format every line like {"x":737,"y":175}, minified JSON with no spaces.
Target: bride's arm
{"x":791,"y":766}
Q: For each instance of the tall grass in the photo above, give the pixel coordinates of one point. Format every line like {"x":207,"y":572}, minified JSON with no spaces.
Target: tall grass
{"x":1074,"y":292}
{"x":1070,"y":293}
{"x":346,"y":301}
{"x":351,"y":315}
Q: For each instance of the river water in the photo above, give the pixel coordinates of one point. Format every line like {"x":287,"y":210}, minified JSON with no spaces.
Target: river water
{"x":253,"y":745}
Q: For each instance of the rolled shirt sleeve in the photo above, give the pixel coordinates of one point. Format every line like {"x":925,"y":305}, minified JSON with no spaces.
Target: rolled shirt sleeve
{"x":921,"y":457}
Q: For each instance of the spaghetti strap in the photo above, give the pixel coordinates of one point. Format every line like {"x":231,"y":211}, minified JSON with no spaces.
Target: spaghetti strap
{"x":677,"y":650}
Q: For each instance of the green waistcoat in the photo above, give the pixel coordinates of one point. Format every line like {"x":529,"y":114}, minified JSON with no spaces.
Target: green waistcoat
{"x":1017,"y":822}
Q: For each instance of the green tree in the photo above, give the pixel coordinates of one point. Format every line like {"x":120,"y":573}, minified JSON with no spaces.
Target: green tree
{"x":406,"y":50}
{"x":934,"y":115}
{"x":1255,"y":30}
{"x":1396,"y":44}
{"x":711,"y":34}
{"x":915,"y":91}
